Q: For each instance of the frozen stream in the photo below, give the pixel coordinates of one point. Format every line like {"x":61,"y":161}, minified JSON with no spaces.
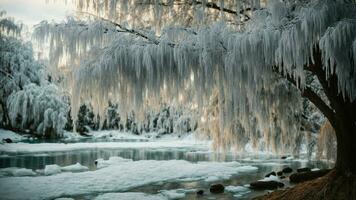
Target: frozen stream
{"x":130,"y":167}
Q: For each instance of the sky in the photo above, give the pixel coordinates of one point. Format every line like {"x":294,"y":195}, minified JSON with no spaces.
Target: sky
{"x":31,"y":12}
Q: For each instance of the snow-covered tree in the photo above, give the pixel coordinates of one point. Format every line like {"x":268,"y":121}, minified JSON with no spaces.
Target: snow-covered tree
{"x":113,"y":119}
{"x":40,"y":109}
{"x":86,"y":119}
{"x":259,"y":67}
{"x":18,"y":68}
{"x":28,"y":102}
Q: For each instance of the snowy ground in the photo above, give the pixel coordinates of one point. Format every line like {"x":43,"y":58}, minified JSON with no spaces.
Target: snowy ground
{"x":117,"y":175}
{"x":53,"y":147}
{"x":11,"y":135}
{"x":114,"y":140}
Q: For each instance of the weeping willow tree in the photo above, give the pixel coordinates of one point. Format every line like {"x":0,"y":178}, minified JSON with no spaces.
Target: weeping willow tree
{"x":245,"y":65}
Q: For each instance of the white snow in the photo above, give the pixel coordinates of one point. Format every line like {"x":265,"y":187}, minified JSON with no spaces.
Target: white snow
{"x":64,"y":199}
{"x":15,"y":171}
{"x":75,"y":168}
{"x":52,"y":169}
{"x":270,"y":178}
{"x":112,"y":134}
{"x":130,"y":195}
{"x":55,"y":169}
{"x":212,"y":179}
{"x":176,"y":194}
{"x":55,"y":147}
{"x":112,"y":160}
{"x":236,"y":189}
{"x":10,"y":134}
{"x":120,"y":176}
{"x":173,"y":194}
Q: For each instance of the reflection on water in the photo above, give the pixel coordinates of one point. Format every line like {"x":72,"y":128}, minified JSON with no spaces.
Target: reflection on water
{"x":87,"y":157}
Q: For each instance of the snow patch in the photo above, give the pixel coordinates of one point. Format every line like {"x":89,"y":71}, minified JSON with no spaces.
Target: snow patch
{"x":75,"y":168}
{"x":52,"y":169}
{"x":120,"y":176}
{"x":236,"y":189}
{"x":130,"y":195}
{"x":15,"y":171}
{"x":100,"y":163}
{"x":55,"y":147}
{"x":15,"y":137}
{"x":176,"y":194}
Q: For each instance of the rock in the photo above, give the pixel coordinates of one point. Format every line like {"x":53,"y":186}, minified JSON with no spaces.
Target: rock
{"x":306,"y":176}
{"x":287,"y":170}
{"x":280,"y":173}
{"x":272,"y":173}
{"x":266,"y":185}
{"x":305,"y":169}
{"x":284,"y":157}
{"x":200,"y":192}
{"x":282,"y":177}
{"x":217,"y":188}
{"x":96,"y":162}
{"x":7,"y":140}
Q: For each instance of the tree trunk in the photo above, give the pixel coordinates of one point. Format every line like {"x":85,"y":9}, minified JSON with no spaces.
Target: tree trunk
{"x":341,"y":113}
{"x":345,"y":129}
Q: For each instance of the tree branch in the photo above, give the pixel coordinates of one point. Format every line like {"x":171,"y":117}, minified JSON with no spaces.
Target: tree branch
{"x":132,"y":31}
{"x":314,"y":98}
{"x":7,"y":74}
{"x":210,"y":5}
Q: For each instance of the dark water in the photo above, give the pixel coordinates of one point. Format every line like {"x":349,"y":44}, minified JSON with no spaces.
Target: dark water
{"x":87,"y":157}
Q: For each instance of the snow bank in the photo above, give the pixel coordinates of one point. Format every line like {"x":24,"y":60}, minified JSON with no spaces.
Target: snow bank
{"x":55,"y":147}
{"x":100,"y":163}
{"x":52,"y":169}
{"x":120,"y":176}
{"x":15,"y":171}
{"x":15,"y":137}
{"x":270,"y":178}
{"x":130,"y":195}
{"x":55,"y":169}
{"x":75,"y":168}
{"x":114,"y":134}
{"x":176,"y":194}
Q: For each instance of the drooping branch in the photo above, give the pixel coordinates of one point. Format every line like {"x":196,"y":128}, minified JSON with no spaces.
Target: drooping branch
{"x":132,"y":31}
{"x":127,"y":30}
{"x":314,"y":98}
{"x":210,"y":5}
{"x":234,"y":12}
{"x":7,"y":74}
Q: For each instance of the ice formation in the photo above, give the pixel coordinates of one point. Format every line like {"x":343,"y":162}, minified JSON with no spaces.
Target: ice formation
{"x":28,"y":102}
{"x":40,"y":108}
{"x":233,"y":67}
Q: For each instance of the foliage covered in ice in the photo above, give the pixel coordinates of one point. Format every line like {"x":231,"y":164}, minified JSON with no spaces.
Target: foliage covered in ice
{"x":18,"y":67}
{"x":8,"y":26}
{"x":28,"y":101}
{"x":233,"y":67}
{"x":38,"y":108}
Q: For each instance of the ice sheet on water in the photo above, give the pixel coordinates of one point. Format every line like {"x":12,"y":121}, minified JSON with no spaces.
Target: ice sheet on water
{"x":130,"y":195}
{"x":15,"y":171}
{"x":119,"y":176}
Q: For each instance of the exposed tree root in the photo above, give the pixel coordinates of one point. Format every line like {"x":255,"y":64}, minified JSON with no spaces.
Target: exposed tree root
{"x":333,"y":186}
